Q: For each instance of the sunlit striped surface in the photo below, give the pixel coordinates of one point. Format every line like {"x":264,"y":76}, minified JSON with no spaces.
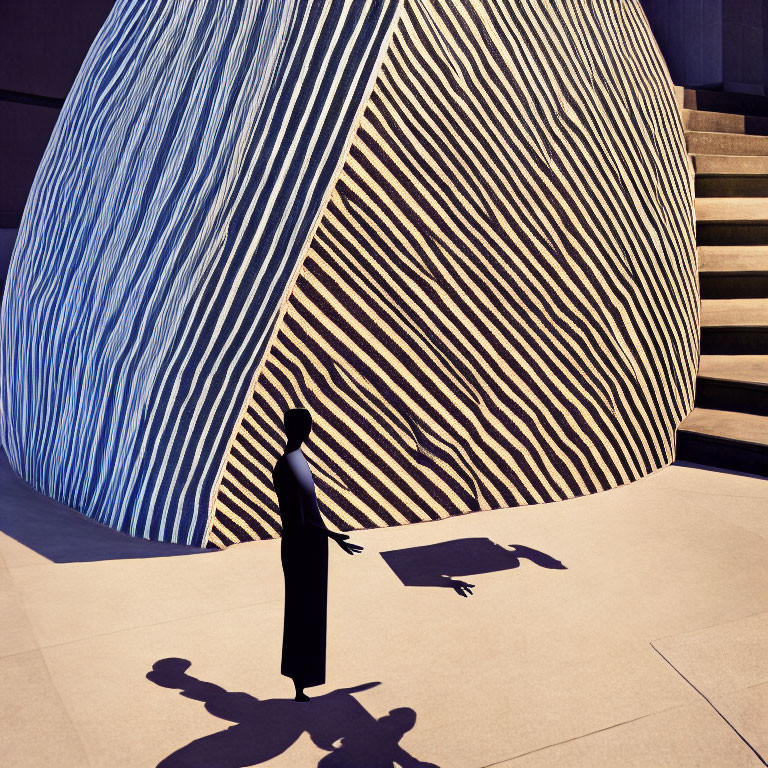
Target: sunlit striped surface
{"x":183,"y":179}
{"x":499,"y":306}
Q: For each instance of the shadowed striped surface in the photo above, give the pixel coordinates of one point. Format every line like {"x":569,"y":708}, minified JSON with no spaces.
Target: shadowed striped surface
{"x":186,"y":172}
{"x":499,"y":306}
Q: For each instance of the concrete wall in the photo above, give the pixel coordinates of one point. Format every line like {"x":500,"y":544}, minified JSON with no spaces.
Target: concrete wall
{"x":745,"y":24}
{"x":24,"y":133}
{"x":7,"y":239}
{"x":42,"y":45}
{"x":713,"y":43}
{"x":689,"y":33}
{"x":45,"y":41}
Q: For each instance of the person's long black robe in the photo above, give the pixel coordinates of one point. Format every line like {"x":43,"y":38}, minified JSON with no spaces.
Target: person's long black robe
{"x":304,"y":554}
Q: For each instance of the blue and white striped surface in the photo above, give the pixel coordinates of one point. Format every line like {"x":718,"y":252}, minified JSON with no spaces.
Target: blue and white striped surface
{"x":180,"y":187}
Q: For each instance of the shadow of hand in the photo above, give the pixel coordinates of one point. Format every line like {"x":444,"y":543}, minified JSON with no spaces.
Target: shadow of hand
{"x":462,"y":588}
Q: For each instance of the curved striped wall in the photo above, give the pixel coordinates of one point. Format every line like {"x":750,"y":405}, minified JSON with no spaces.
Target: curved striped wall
{"x":461,"y":232}
{"x":499,"y":306}
{"x":188,"y":166}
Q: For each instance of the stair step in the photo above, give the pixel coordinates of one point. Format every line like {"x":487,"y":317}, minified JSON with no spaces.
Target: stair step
{"x":724,"y":122}
{"x":731,"y":175}
{"x":735,"y":209}
{"x":732,"y":233}
{"x":715,"y":143}
{"x":734,"y":312}
{"x":733,"y":285}
{"x":732,"y":221}
{"x":731,"y":185}
{"x":745,"y":427}
{"x":734,"y":326}
{"x":733,"y":383}
{"x":733,"y":271}
{"x":748,"y":368}
{"x":733,"y":258}
{"x":725,"y":439}
{"x":729,"y":165}
{"x":725,"y":101}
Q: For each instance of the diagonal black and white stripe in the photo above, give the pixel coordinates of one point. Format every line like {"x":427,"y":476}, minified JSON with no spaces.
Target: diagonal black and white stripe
{"x":499,"y":306}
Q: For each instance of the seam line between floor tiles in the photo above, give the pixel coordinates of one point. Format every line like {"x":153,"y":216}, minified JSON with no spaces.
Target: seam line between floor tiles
{"x":585,"y":735}
{"x":41,"y":650}
{"x":651,"y":714}
{"x":724,"y":718}
{"x":708,"y":626}
{"x":685,"y":491}
{"x":138,"y":626}
{"x":741,"y":526}
{"x":65,"y":708}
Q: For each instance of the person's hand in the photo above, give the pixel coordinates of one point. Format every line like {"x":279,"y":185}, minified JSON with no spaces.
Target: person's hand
{"x":348,"y":546}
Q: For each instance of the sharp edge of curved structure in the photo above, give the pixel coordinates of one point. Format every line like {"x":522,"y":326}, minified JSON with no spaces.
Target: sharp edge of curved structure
{"x":187,"y":169}
{"x":498,"y":305}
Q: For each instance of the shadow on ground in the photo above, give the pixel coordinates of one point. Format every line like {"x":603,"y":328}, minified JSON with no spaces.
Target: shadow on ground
{"x":63,"y":535}
{"x":438,"y":565}
{"x":264,"y":729}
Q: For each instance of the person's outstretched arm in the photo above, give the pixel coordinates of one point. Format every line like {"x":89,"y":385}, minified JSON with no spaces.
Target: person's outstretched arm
{"x":342,"y":539}
{"x":406,"y":760}
{"x":308,"y":499}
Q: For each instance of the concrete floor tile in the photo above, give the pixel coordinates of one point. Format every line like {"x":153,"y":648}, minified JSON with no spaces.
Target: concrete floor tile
{"x":490,"y":708}
{"x":722,"y":658}
{"x":16,"y":635}
{"x":70,"y":601}
{"x":474,"y":693}
{"x":16,"y":554}
{"x":691,"y":482}
{"x":103,"y":682}
{"x":536,"y":656}
{"x":6,"y":580}
{"x":36,"y":730}
{"x":686,"y":737}
{"x":748,"y":512}
{"x":747,"y":711}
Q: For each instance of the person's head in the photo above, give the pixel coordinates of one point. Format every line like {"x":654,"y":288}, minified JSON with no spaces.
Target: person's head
{"x":298,"y":425}
{"x":399,"y":721}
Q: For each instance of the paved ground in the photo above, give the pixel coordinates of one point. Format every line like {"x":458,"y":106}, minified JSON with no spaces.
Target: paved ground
{"x":647,"y":649}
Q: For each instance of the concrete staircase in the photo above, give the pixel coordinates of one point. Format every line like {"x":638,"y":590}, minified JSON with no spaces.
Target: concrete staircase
{"x":727,"y":136}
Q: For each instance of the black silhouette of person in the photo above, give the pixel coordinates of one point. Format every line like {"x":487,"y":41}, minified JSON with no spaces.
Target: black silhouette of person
{"x":265,"y":728}
{"x":304,"y":555}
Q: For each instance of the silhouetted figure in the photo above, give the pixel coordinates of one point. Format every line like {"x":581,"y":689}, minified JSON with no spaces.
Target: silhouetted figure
{"x":437,"y":565}
{"x":304,"y":554}
{"x":264,"y":729}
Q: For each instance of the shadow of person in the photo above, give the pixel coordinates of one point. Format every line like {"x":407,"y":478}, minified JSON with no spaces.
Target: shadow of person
{"x":539,"y":558}
{"x":439,"y":565}
{"x":264,"y":729}
{"x":378,"y":746}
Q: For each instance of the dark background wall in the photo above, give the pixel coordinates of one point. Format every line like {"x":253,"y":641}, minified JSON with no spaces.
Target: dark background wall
{"x":42,"y":45}
{"x":713,"y":43}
